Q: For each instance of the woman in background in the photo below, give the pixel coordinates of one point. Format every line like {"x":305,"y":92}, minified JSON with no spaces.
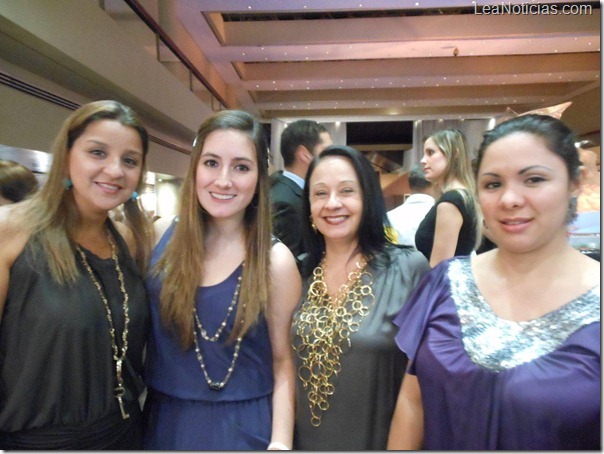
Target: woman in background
{"x":74,"y":309}
{"x":17,"y":182}
{"x":505,"y":346}
{"x":349,"y":367}
{"x":220,"y":367}
{"x":451,"y":226}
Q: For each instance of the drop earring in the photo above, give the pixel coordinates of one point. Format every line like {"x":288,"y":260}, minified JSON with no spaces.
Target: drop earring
{"x":68,"y":183}
{"x":134,"y":196}
{"x":312,"y":224}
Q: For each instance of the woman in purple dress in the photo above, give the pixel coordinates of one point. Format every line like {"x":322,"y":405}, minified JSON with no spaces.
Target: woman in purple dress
{"x":220,"y":369}
{"x":504,"y":347}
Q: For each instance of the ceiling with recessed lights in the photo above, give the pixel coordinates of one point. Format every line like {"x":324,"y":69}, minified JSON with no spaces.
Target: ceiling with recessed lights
{"x":388,"y":59}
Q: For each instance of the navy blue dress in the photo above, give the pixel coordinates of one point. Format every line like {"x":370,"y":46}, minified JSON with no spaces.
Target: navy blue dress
{"x":181,"y":411}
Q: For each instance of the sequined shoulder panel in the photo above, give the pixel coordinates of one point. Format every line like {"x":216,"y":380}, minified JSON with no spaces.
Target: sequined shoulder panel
{"x":496,"y":344}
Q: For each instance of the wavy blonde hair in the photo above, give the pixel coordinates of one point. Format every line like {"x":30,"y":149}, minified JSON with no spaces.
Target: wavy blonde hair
{"x":51,"y":215}
{"x":453,"y":144}
{"x":180,"y":265}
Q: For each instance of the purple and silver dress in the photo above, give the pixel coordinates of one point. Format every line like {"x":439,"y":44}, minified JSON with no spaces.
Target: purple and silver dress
{"x":490,"y":383}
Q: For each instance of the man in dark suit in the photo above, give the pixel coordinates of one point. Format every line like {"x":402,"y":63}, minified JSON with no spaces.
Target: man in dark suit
{"x":301,"y":141}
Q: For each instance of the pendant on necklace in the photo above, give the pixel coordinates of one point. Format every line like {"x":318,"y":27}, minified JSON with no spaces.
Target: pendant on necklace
{"x":120,"y":390}
{"x":216,"y":386}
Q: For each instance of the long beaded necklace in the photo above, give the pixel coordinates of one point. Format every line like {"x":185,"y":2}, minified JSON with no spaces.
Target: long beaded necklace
{"x":323,"y":324}
{"x":117,"y":357}
{"x":197,"y":326}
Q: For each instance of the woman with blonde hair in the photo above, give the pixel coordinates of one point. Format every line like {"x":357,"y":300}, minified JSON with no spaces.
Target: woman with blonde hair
{"x":450,"y":228}
{"x":74,"y":310}
{"x":220,"y":370}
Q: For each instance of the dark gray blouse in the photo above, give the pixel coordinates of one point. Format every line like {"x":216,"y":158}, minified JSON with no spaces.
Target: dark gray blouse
{"x":366,"y":389}
{"x":56,"y":367}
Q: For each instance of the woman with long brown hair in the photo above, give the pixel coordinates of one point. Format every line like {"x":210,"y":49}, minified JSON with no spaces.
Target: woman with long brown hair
{"x":220,"y":369}
{"x":74,"y":310}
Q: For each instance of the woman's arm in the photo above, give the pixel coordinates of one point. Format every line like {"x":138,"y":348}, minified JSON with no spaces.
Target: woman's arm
{"x":407,"y":426}
{"x":284,"y":294}
{"x":446,"y":232}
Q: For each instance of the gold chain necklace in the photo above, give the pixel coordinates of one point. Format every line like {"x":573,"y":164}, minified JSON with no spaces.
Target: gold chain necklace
{"x":323,"y":324}
{"x":117,"y":357}
{"x":217,"y":385}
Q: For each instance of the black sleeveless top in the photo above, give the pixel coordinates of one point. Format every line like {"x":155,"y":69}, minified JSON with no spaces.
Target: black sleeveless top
{"x":424,"y":236}
{"x":57,"y":375}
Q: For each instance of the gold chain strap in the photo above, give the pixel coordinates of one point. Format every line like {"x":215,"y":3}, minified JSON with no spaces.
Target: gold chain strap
{"x":117,"y":357}
{"x":323,"y":328}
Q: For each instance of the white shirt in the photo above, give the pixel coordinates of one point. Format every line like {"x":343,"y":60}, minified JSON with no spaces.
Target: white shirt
{"x":406,"y":218}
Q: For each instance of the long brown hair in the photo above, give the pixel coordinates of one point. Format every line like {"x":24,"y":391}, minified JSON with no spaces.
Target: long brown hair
{"x":181,"y":263}
{"x":51,"y":214}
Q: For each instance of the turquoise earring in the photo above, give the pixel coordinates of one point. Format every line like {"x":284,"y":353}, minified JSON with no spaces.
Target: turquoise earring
{"x":134,"y":196}
{"x":68,"y":183}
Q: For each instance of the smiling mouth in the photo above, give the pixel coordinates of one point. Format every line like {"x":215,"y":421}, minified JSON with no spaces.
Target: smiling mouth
{"x":109,"y":187}
{"x":335,"y":219}
{"x":222,"y":196}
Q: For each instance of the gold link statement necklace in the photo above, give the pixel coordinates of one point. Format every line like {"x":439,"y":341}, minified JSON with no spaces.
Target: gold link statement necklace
{"x":323,"y":328}
{"x":117,"y":357}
